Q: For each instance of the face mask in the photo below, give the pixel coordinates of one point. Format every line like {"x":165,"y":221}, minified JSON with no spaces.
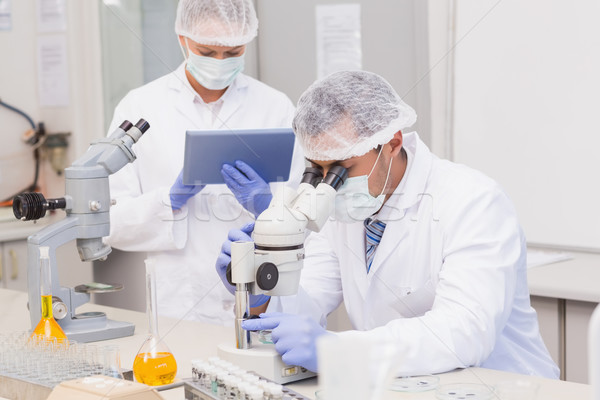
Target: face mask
{"x":353,"y":201}
{"x":212,"y":73}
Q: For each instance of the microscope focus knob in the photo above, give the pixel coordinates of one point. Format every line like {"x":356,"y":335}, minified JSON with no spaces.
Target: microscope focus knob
{"x":59,"y":309}
{"x":267,"y":276}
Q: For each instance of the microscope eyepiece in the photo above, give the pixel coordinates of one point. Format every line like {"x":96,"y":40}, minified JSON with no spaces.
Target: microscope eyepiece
{"x":142,"y":125}
{"x":336,"y":176}
{"x":32,"y":206}
{"x":312,"y":176}
{"x":126,"y":125}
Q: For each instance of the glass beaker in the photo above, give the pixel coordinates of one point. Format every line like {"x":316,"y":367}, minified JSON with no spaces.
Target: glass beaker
{"x":112,"y":362}
{"x":47,"y":327}
{"x":154,"y":363}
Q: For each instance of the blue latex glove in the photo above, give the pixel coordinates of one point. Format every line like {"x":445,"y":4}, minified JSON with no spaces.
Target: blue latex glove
{"x":295,"y":337}
{"x":180,"y":193}
{"x":250,"y":190}
{"x":225,"y":258}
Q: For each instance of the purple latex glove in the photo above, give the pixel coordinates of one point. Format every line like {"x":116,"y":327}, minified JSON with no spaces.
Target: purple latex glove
{"x":250,"y":190}
{"x":225,"y":258}
{"x":180,"y":193}
{"x":295,"y":337}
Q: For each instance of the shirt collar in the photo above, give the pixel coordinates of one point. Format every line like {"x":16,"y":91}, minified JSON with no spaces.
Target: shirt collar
{"x":413,"y":183}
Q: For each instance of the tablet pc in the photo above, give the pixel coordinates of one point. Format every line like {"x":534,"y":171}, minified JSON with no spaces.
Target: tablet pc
{"x":268,"y":151}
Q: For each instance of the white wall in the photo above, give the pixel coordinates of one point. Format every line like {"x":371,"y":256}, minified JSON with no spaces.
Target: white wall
{"x":526,"y":106}
{"x":441,"y":62}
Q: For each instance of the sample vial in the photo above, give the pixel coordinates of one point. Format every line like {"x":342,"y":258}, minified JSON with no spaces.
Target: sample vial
{"x":235,"y":387}
{"x":205,"y":381}
{"x":276,"y":392}
{"x":213,"y":360}
{"x":221,"y":376}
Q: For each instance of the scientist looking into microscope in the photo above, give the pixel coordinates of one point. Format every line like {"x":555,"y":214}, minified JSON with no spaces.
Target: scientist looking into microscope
{"x":422,"y":251}
{"x":180,"y":228}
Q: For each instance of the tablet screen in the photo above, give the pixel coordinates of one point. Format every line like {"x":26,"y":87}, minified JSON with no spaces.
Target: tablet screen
{"x":267,"y":151}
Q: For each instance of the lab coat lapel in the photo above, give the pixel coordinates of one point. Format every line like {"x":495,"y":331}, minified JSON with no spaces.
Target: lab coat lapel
{"x":409,"y":192}
{"x":233,"y":99}
{"x":184,"y":100}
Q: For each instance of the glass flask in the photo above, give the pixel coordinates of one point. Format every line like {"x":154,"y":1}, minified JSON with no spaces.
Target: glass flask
{"x":154,"y":364}
{"x":47,"y":327}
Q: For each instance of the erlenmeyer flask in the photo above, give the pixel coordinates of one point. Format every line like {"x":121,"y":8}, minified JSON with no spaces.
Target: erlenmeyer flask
{"x":154,"y":363}
{"x":47,"y":327}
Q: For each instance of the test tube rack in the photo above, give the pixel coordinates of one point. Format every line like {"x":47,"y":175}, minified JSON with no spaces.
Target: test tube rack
{"x":30,"y":367}
{"x":218,"y":379}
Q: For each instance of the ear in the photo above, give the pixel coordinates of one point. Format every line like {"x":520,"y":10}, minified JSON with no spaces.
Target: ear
{"x":396,"y":144}
{"x":182,"y":45}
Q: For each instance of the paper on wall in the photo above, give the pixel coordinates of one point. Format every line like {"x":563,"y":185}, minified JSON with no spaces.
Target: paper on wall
{"x":53,"y":73}
{"x":5,"y":15}
{"x":338,"y":38}
{"x":51,"y":15}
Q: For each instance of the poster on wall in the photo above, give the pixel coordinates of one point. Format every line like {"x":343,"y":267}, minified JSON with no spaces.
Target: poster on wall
{"x":51,"y":15}
{"x":338,"y":38}
{"x":53,"y":73}
{"x":5,"y":15}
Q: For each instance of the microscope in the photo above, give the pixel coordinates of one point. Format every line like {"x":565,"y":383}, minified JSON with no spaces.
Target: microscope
{"x":86,"y":202}
{"x":272,"y":264}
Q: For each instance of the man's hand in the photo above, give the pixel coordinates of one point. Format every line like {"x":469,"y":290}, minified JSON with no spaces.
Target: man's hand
{"x":224,"y":259}
{"x":294,"y":337}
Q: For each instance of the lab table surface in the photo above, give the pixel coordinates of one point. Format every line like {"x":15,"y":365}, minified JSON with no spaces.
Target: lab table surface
{"x":574,"y":279}
{"x":190,"y":340}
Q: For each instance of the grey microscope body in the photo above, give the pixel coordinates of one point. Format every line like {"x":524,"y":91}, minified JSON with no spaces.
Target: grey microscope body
{"x":86,"y":202}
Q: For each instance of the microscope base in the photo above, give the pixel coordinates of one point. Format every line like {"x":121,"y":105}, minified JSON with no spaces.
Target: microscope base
{"x":93,"y":327}
{"x":264,"y":360}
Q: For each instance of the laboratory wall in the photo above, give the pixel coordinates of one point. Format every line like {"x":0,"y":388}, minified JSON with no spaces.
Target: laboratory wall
{"x":393,"y":42}
{"x":17,"y":88}
{"x":29,"y":69}
{"x":22,"y":79}
{"x":526,"y":87}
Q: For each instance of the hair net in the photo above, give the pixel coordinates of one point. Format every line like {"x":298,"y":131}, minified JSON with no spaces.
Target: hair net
{"x":217,"y":22}
{"x":347,"y":114}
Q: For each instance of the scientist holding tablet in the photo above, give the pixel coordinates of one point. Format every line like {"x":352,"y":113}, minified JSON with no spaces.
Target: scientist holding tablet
{"x":181,"y":226}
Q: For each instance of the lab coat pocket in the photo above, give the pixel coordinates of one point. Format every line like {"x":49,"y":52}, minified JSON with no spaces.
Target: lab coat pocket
{"x":416,"y":303}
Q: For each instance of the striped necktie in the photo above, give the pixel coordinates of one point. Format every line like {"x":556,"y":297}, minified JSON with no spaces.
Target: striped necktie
{"x":373,"y":233}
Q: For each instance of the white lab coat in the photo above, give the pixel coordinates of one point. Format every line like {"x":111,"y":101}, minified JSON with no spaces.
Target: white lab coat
{"x":186,"y":246}
{"x":448,"y":283}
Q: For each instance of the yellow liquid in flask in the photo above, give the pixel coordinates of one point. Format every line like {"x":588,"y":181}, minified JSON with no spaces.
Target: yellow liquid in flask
{"x":48,"y":327}
{"x":155,"y":369}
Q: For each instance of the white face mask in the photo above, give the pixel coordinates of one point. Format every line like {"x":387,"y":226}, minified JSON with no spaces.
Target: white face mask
{"x":353,"y":201}
{"x":213,"y":73}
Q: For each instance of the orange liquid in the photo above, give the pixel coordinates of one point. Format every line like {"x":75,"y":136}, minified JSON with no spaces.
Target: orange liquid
{"x":48,"y":327}
{"x":157,"y":370}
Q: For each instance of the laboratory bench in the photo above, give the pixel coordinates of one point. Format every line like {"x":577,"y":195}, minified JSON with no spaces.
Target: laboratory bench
{"x":190,"y":340}
{"x":565,"y":294}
